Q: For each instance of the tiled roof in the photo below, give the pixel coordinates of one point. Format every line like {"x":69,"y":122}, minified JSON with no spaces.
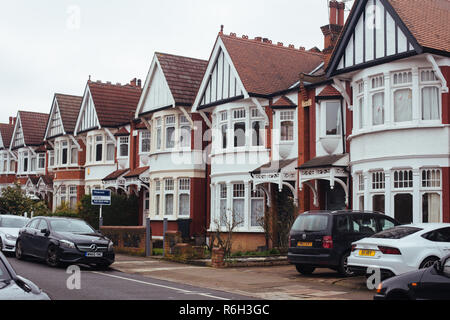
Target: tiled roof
{"x":34,"y":179}
{"x":115,"y":104}
{"x":136,"y":172}
{"x":6,"y":131}
{"x":325,"y":161}
{"x":274,"y":166}
{"x":184,"y":76}
{"x":116,"y":174}
{"x":69,"y":106}
{"x":141,"y":125}
{"x":48,"y":180}
{"x":41,"y":149}
{"x":284,"y":102}
{"x":266,"y":68}
{"x":329,"y":91}
{"x":33,"y":126}
{"x":427,"y":20}
{"x":122,"y":132}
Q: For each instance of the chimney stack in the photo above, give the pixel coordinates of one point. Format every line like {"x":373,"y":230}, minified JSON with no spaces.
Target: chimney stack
{"x":133,"y":82}
{"x":139,"y":83}
{"x":332,"y":31}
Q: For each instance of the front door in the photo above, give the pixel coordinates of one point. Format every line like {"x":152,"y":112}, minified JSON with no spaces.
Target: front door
{"x":334,"y":198}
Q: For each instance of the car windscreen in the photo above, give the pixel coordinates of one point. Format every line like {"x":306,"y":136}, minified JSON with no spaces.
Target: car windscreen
{"x":311,"y":223}
{"x":396,"y":233}
{"x":13,"y":222}
{"x":4,"y":274}
{"x":72,"y":226}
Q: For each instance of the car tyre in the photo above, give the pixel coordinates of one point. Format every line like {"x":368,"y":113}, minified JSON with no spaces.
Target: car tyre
{"x":343,"y":266}
{"x":52,"y":257}
{"x":19,"y":251}
{"x":305,"y":270}
{"x":428,"y":262}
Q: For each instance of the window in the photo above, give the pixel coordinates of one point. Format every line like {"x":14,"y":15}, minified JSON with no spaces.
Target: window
{"x":184,"y":197}
{"x":239,"y":127}
{"x":73,"y":197}
{"x":145,"y":141}
{"x":361,"y":112}
{"x":64,"y":152}
{"x":168,"y":194}
{"x":89,"y":153}
{"x":430,"y":95}
{"x":158,"y":133}
{"x":33,"y":164}
{"x":170,"y":132}
{"x":25,"y":161}
{"x":238,"y":204}
{"x":403,"y":105}
{"x":74,"y":155}
{"x":360,"y":182}
{"x":110,"y":149}
{"x":431,"y":207}
{"x":185,"y":132}
{"x":333,"y":118}
{"x":366,"y":225}
{"x":386,"y":224}
{"x":257,"y":128}
{"x":123,"y":146}
{"x":378,"y":108}
{"x":62,"y":195}
{"x":223,"y":204}
{"x":146,"y":201}
{"x":257,"y":208}
{"x":223,"y":125}
{"x":378,"y":180}
{"x":157,"y":197}
{"x":431,"y":178}
{"x":403,"y":179}
{"x":98,"y":148}
{"x":378,"y":203}
{"x":287,"y":125}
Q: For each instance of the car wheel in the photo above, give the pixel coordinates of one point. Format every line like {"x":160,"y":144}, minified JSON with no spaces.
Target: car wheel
{"x":428,"y":262}
{"x":52,"y":257}
{"x":343,"y":266}
{"x":305,"y":270}
{"x":19,"y":251}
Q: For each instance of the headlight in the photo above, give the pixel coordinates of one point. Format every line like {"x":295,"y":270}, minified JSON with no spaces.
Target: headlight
{"x":110,"y":246}
{"x":10,"y":237}
{"x":67,"y":244}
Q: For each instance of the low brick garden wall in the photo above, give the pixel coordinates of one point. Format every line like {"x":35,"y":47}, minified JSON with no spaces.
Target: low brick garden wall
{"x":126,"y":239}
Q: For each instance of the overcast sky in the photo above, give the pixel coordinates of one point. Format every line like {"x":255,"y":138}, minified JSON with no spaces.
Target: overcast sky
{"x":52,"y":46}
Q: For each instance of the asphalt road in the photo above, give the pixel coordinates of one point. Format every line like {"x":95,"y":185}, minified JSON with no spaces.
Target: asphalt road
{"x":111,"y":285}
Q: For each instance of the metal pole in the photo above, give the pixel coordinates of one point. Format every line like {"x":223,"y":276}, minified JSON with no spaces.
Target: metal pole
{"x":100,"y":223}
{"x":164,"y":235}
{"x":148,"y":239}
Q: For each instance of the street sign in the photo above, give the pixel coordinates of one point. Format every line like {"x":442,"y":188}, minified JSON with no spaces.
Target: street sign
{"x":101,"y":198}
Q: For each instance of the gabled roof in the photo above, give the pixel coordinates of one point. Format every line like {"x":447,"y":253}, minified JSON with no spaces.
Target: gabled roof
{"x":115,"y":175}
{"x":69,"y":106}
{"x":171,"y":81}
{"x":284,"y":102}
{"x":424,"y":24}
{"x":265,"y":68}
{"x":334,"y":160}
{"x":329,"y":92}
{"x":33,"y":126}
{"x":136,"y":172}
{"x":6,"y":132}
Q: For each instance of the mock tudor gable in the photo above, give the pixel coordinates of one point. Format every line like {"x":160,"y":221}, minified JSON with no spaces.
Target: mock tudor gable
{"x":29,"y":129}
{"x":63,"y":115}
{"x":87,"y":116}
{"x":378,"y":31}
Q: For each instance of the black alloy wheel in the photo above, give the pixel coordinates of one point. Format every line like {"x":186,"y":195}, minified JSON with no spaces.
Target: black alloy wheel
{"x":52,"y":257}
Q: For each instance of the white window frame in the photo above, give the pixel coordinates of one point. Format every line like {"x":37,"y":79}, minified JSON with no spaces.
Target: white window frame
{"x":184,"y":188}
{"x":169,"y":189}
{"x":123,"y":140}
{"x":145,"y":135}
{"x":289,"y":117}
{"x":377,"y":86}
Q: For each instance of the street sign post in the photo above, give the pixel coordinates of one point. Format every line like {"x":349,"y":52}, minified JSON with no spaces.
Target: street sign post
{"x":101,"y":198}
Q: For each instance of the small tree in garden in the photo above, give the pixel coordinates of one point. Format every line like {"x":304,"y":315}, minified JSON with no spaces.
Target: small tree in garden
{"x":224,"y":239}
{"x":14,"y":201}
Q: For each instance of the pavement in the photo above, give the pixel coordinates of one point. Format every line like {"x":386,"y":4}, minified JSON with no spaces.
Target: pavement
{"x":274,"y":282}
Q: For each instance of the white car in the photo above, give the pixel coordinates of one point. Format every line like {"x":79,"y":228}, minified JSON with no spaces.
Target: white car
{"x":9,"y":231}
{"x":401,"y":249}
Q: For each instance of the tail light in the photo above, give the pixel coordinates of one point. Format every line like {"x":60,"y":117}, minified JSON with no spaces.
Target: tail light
{"x":289,"y":241}
{"x":389,"y":250}
{"x":327,"y":242}
{"x":353,"y":247}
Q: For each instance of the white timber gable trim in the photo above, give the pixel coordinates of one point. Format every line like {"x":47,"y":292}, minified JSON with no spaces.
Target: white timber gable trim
{"x":374,"y":33}
{"x":1,"y":141}
{"x":55,"y":125}
{"x":157,"y":92}
{"x":17,"y":139}
{"x":221,"y":80}
{"x":87,"y":117}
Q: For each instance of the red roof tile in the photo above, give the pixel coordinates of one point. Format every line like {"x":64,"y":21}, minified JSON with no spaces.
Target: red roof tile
{"x":33,"y":126}
{"x":69,"y":106}
{"x":184,"y":76}
{"x":6,"y":131}
{"x":266,"y":68}
{"x":122,"y":132}
{"x":284,"y":102}
{"x":329,"y":91}
{"x":114,"y":175}
{"x":428,"y":21}
{"x":115,"y":104}
{"x":136,"y":172}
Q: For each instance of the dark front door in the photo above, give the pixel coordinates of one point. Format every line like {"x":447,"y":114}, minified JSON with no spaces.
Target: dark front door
{"x":334,"y":198}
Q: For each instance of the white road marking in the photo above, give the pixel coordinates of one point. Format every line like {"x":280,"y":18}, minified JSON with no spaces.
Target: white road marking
{"x":162,"y":286}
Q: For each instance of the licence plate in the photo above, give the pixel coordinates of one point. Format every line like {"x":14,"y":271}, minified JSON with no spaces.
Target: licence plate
{"x":367,"y":253}
{"x":304,"y":244}
{"x":94,"y":254}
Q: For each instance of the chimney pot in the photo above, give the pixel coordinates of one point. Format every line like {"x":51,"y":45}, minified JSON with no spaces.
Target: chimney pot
{"x":259,"y":39}
{"x":280,"y":44}
{"x":133,"y":82}
{"x":291,"y":46}
{"x":139,"y":83}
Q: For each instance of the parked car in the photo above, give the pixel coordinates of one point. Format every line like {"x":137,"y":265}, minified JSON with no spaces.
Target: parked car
{"x":14,"y":287}
{"x":401,"y":249}
{"x":64,"y":241}
{"x":9,"y":231}
{"x":324,"y":238}
{"x":432,"y":283}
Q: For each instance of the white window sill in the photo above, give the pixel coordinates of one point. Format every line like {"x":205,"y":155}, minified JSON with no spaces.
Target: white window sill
{"x":398,"y":126}
{"x":238,"y":150}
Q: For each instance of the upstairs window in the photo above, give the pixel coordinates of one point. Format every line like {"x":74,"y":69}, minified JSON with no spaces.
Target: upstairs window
{"x":158,"y":133}
{"x":239,"y":127}
{"x":257,"y":128}
{"x":287,"y":125}
{"x":41,"y":161}
{"x":223,"y":125}
{"x":430,"y":95}
{"x":402,"y":96}
{"x":333,"y":118}
{"x":377,"y":93}
{"x":170,"y":132}
{"x":98,"y":148}
{"x":403,"y":179}
{"x":64,"y":152}
{"x":110,"y":149}
{"x":123,"y":146}
{"x":145,"y":141}
{"x":185,"y":132}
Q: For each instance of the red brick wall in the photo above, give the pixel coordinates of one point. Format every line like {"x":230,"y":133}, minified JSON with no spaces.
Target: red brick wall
{"x":157,"y":227}
{"x":69,"y":175}
{"x":446,"y":97}
{"x":7,"y":178}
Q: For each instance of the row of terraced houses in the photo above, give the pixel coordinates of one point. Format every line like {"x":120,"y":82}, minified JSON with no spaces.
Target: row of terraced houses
{"x":362,"y":124}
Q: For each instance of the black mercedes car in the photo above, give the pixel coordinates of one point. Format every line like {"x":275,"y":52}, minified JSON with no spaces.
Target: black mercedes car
{"x":63,"y":241}
{"x":432,"y":283}
{"x":14,"y":287}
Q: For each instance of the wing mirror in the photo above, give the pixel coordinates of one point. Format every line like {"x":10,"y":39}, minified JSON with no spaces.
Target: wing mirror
{"x":46,"y":232}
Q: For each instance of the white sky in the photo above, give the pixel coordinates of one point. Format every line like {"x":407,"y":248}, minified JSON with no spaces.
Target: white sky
{"x":46,"y":47}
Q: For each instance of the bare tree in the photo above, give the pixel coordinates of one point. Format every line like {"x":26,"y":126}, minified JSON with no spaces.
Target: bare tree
{"x":224,"y":229}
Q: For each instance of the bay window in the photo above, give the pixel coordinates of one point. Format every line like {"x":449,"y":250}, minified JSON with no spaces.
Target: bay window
{"x":239,"y":127}
{"x":377,"y":92}
{"x":110,"y":149}
{"x":223,"y":125}
{"x":157,"y":197}
{"x":33,"y":163}
{"x":185,"y":132}
{"x":158,"y":133}
{"x":430,"y":95}
{"x":170,"y":132}
{"x":74,"y":155}
{"x":257,"y":124}
{"x":98,"y":148}
{"x":64,"y":152}
{"x":257,"y":208}
{"x":238,"y":204}
{"x":402,"y":96}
